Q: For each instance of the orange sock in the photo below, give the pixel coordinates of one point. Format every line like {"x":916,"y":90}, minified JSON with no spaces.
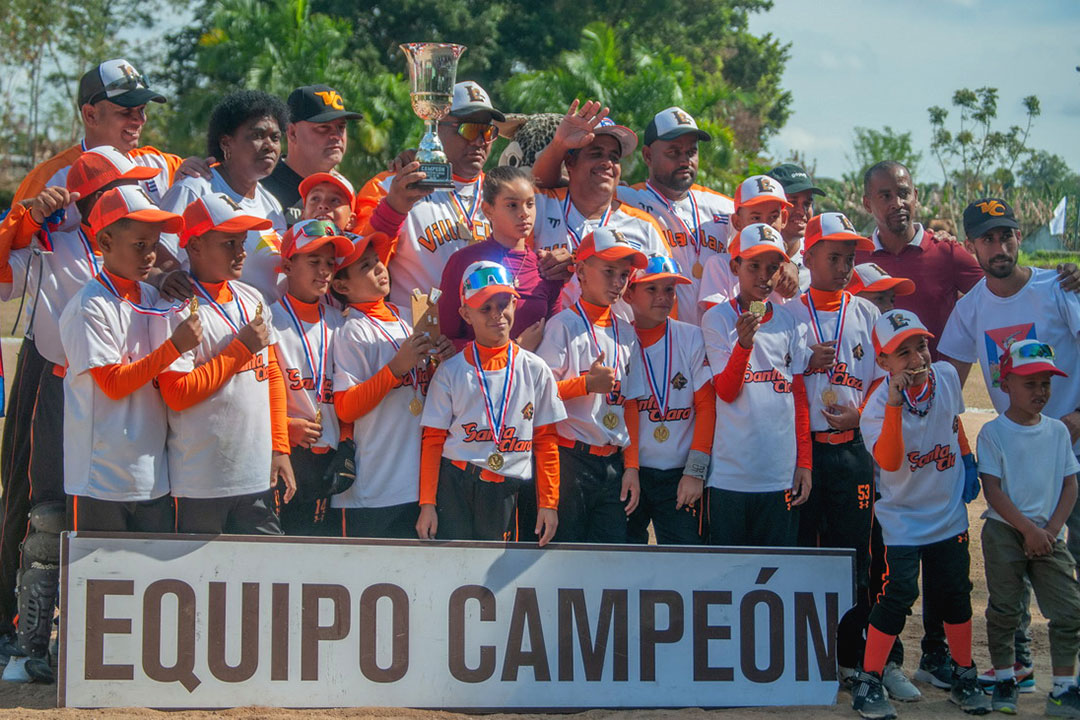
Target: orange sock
{"x":878,"y":647}
{"x":959,"y":637}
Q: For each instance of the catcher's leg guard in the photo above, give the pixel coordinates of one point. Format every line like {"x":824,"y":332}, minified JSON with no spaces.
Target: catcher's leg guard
{"x":39,"y":578}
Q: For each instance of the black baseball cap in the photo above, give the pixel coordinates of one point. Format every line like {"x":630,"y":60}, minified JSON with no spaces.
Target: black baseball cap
{"x":118,"y":82}
{"x":794,"y":179}
{"x":982,"y":216}
{"x":318,"y":104}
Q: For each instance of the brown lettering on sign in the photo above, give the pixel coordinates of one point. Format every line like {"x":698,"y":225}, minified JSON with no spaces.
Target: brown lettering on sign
{"x":279,"y":631}
{"x":526,"y":614}
{"x":613,"y":615}
{"x":748,"y":636}
{"x":704,"y":632}
{"x":399,"y":622}
{"x":456,"y":636}
{"x":217,"y":631}
{"x":183,"y":671}
{"x":824,"y":638}
{"x":311,"y":632}
{"x":98,"y":626}
{"x":650,"y":636}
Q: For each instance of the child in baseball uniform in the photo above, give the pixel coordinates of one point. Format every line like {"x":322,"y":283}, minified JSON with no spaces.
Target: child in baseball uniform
{"x":678,"y":418}
{"x":228,"y":440}
{"x":911,"y":422}
{"x":489,"y":420}
{"x":870,"y":282}
{"x":757,"y":352}
{"x":381,"y":373}
{"x":328,"y":196}
{"x":305,"y":328}
{"x":595,"y":358}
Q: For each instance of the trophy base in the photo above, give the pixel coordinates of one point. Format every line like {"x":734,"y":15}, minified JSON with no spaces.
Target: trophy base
{"x":439,"y":175}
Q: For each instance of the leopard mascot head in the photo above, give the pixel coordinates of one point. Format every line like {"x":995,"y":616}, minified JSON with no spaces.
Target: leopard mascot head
{"x":528,"y":136}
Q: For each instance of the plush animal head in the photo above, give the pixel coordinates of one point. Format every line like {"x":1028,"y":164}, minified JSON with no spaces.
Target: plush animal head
{"x":528,"y":136}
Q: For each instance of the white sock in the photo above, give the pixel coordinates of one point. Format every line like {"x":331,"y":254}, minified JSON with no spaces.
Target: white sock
{"x":1061,"y":684}
{"x":1003,"y":674}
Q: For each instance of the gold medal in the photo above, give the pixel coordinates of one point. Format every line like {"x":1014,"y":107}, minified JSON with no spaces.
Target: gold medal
{"x":318,"y":415}
{"x":661,"y":433}
{"x":415,"y":406}
{"x":495,"y":461}
{"x":258,"y":310}
{"x":698,"y":270}
{"x":829,"y":397}
{"x":193,"y":306}
{"x":758,"y":309}
{"x":463,"y":231}
{"x":611,"y":421}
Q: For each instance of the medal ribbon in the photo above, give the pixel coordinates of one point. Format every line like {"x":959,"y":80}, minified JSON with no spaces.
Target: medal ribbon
{"x":141,"y":309}
{"x":395,"y":343}
{"x":459,"y":204}
{"x":576,"y":239}
{"x":693,"y":237}
{"x":309,"y":355}
{"x":496,"y":422}
{"x":91,"y":257}
{"x":661,"y":400}
{"x":926,"y":393}
{"x":219,"y":309}
{"x":815,"y":323}
{"x":612,"y":396}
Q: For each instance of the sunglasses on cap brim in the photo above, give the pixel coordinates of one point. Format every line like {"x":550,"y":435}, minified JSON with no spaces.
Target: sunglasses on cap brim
{"x":119,"y":86}
{"x":1038,"y":350}
{"x":482,"y":278}
{"x":472,"y":130}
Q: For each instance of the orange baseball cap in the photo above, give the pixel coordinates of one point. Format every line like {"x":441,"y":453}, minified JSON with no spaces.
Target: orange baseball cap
{"x":132,"y":202}
{"x":868,"y":277}
{"x":333,"y":177}
{"x":758,"y":189}
{"x":380,"y":241}
{"x":218,"y":212}
{"x":608,"y":244}
{"x":836,"y":227}
{"x":310,"y":235}
{"x":485,"y":278}
{"x":97,"y":167}
{"x":894,"y":327}
{"x":660,"y":267}
{"x":757,"y":239}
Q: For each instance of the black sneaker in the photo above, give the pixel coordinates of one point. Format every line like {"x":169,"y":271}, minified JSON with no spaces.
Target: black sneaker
{"x":868,"y":697}
{"x":1006,"y":696}
{"x":9,"y":648}
{"x":936,"y":668}
{"x":40,"y":670}
{"x":966,"y":693}
{"x":1066,"y":705}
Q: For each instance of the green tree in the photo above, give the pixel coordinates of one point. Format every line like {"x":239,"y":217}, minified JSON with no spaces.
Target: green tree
{"x":871,"y":146}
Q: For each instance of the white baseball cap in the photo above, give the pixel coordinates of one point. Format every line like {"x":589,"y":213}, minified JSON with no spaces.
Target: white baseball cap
{"x":758,"y":189}
{"x":485,"y":278}
{"x":671,"y":123}
{"x":627,"y":138}
{"x":834,"y":226}
{"x":99,"y":166}
{"x":869,"y":277}
{"x":757,"y":239}
{"x":470,"y":98}
{"x":218,"y":212}
{"x":894,"y":327}
{"x":1027,"y":357}
{"x":131,"y":201}
{"x":608,"y":244}
{"x":116,"y":81}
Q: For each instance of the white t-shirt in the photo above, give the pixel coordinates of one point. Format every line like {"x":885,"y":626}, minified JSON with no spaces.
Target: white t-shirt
{"x":569,"y":350}
{"x":687,"y":372}
{"x":983,"y":325}
{"x":69,"y":263}
{"x":263,"y":246}
{"x":754,"y":444}
{"x":921,"y":503}
{"x":1031,"y":461}
{"x":222,"y":446}
{"x":113,"y":449}
{"x":456,"y":403}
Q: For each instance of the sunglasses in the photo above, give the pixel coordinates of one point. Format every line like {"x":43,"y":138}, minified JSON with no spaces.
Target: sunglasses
{"x":659,"y":264}
{"x":1036,"y":350}
{"x":126,"y":83}
{"x":483,"y":277}
{"x":472,"y":130}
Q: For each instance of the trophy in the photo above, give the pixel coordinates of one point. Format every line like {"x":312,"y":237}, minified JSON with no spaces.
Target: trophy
{"x":432,"y":73}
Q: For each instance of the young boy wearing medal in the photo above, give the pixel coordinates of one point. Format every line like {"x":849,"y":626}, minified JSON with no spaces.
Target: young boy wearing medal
{"x":595,"y":358}
{"x":381,"y":374}
{"x":228,"y":443}
{"x":678,"y":418}
{"x":491,"y":411}
{"x":911,"y":422}
{"x":305,"y":329}
{"x":761,"y":448}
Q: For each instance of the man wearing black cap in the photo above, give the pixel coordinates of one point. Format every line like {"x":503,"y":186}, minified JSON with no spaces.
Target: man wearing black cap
{"x":800,"y":190}
{"x":317,"y":140}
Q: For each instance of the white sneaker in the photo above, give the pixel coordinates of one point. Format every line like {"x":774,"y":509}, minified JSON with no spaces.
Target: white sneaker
{"x":15,"y":671}
{"x":898,"y":686}
{"x":846,"y":677}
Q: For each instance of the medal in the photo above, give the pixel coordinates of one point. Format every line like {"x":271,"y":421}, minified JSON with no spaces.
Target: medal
{"x":415,"y":406}
{"x":466,"y":225}
{"x":193,"y":306}
{"x":927,"y":394}
{"x":495,"y":461}
{"x":318,"y":415}
{"x":611,"y":420}
{"x":316,"y":369}
{"x":698,"y":270}
{"x":693,"y":237}
{"x":463,"y":231}
{"x":661,"y":390}
{"x":828,"y":396}
{"x":217,"y":308}
{"x":103,"y":278}
{"x":258,"y":310}
{"x":497,"y":421}
{"x":661,"y":433}
{"x":758,"y":309}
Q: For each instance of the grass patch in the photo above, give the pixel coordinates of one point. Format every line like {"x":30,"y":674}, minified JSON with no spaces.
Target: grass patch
{"x":1049,"y":258}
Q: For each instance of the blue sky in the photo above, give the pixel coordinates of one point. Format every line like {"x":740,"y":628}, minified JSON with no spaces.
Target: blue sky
{"x":871,"y":63}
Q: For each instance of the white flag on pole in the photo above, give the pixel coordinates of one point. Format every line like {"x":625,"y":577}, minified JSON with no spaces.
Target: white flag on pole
{"x":1057,"y":223}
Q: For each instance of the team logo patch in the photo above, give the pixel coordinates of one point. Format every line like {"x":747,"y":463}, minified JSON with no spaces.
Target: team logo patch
{"x":846,"y":224}
{"x":331,"y":99}
{"x":765,"y":184}
{"x":956,"y":424}
{"x":475,"y":94}
{"x":527,"y":412}
{"x":678,"y":382}
{"x":899,"y":321}
{"x":991,"y":207}
{"x":857,"y":351}
{"x":787,"y":359}
{"x":682,"y":118}
{"x":998,"y":342}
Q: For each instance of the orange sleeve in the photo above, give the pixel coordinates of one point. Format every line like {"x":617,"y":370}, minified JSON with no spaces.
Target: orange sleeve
{"x":961,"y":437}
{"x":367,"y":199}
{"x":633,"y":429}
{"x":866,"y":398}
{"x":546,"y":453}
{"x":362,"y":398}
{"x":184,"y":390}
{"x":729,"y":381}
{"x":572,"y":388}
{"x":704,"y":419}
{"x":804,"y":449}
{"x":431,"y":447}
{"x":279,"y":405}
{"x":172,"y":162}
{"x":889,"y":449}
{"x":9,"y":231}
{"x":119,"y":380}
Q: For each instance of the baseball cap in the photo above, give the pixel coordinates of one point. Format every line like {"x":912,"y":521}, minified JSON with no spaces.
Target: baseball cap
{"x":333,"y":177}
{"x":310,"y":235}
{"x":380,"y":241}
{"x":608,"y":244}
{"x":758,"y":189}
{"x":470,"y":98}
{"x":660,"y":267}
{"x":833,"y":226}
{"x":116,"y":81}
{"x":318,"y":104}
{"x":672,"y":123}
{"x":627,"y":138}
{"x":97,"y":167}
{"x":485,"y":278}
{"x":757,"y":239}
{"x":894,"y":327}
{"x":1027,"y":357}
{"x":868,"y":277}
{"x":794,"y":179}
{"x":218,"y":212}
{"x":131,"y":201}
{"x":982,"y":216}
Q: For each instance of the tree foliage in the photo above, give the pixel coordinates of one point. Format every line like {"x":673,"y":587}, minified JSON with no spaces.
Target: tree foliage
{"x":871,"y":146}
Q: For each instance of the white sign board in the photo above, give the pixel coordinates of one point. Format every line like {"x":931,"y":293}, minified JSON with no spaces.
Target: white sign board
{"x":214,"y":622}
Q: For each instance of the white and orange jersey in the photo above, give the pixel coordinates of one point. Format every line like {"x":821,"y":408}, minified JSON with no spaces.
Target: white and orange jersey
{"x":113,"y":449}
{"x":436,"y":227}
{"x":305,"y":349}
{"x":221,"y":447}
{"x":754,"y":443}
{"x":695,"y":229}
{"x":262,"y":265}
{"x":387,"y":438}
{"x":856,"y":368}
{"x":475,"y":406}
{"x":571,"y":343}
{"x":674,"y":368}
